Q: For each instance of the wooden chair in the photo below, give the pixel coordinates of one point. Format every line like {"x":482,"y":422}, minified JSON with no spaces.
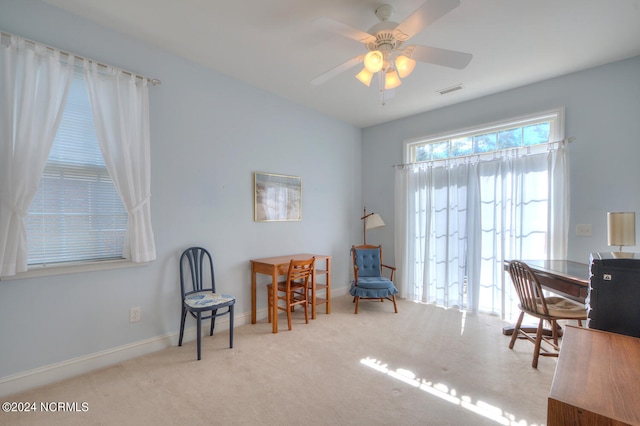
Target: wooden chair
{"x":369,"y":283}
{"x":534,"y":303}
{"x":294,"y":290}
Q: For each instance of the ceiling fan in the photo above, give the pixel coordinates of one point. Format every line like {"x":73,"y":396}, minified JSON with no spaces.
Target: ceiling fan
{"x":388,"y":56}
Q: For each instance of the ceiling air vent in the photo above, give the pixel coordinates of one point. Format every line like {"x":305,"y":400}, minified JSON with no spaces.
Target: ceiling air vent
{"x":450,"y":89}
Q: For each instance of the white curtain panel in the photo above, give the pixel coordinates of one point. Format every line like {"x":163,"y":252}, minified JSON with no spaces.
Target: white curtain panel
{"x":559,"y":202}
{"x":120,"y":105}
{"x":458,"y":220}
{"x":33,"y":88}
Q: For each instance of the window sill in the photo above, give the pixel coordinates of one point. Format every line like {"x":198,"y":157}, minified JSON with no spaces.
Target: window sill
{"x":73,"y":268}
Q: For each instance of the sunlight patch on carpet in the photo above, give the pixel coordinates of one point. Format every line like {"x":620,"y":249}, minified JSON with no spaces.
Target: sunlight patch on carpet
{"x":462,"y":321}
{"x":445,"y":393}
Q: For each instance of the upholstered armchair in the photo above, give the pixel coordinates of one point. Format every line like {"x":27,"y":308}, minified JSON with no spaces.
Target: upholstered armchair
{"x":369,"y":282}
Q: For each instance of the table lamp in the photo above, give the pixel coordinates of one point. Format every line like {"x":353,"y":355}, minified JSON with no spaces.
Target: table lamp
{"x":621,"y":231}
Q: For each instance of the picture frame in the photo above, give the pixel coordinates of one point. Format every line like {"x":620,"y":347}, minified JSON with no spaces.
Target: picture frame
{"x":277,"y":198}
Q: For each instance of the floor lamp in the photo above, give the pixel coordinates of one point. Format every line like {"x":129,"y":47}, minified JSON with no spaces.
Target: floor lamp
{"x":371,"y":220}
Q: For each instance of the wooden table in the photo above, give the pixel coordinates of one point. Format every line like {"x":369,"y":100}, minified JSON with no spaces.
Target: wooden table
{"x":597,"y":379}
{"x":279,"y":265}
{"x":564,"y":277}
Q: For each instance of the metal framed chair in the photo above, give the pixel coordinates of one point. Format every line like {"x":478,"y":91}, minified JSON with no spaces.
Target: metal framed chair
{"x":369,"y":283}
{"x":534,"y":303}
{"x":198,"y":297}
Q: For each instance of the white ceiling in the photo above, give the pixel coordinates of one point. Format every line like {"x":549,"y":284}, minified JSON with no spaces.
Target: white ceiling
{"x":278,"y":46}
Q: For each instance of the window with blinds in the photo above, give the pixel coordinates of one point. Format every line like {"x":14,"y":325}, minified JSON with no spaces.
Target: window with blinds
{"x":77,"y":214}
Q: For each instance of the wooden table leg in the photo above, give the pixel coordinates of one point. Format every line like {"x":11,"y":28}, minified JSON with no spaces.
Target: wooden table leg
{"x":274,"y":283}
{"x":328,"y":305}
{"x":253,"y":294}
{"x":313,"y":294}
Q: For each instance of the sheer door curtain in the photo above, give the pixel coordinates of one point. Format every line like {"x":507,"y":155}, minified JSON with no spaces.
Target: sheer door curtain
{"x":458,"y":220}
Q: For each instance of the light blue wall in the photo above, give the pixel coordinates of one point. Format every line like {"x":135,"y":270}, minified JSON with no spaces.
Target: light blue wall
{"x":602,"y":113}
{"x":209,"y":134}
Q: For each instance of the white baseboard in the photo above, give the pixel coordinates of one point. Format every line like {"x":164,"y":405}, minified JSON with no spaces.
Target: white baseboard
{"x":51,"y":373}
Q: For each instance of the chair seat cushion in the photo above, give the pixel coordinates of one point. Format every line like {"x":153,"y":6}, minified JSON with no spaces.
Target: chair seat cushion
{"x":205,"y":299}
{"x":373,"y":287}
{"x":564,"y":308}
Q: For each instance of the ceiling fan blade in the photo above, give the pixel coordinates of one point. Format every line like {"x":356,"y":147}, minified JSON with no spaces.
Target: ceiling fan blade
{"x":444,"y":57}
{"x":429,"y":12}
{"x":345,"y":30}
{"x":337,"y":70}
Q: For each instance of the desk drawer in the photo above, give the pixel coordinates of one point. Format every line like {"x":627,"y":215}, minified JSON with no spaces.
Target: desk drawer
{"x":565,"y":288}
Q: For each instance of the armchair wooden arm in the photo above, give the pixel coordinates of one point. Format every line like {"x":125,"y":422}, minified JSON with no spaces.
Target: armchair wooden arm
{"x":392,"y":268}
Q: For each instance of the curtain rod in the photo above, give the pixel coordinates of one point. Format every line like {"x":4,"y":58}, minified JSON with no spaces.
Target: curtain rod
{"x":568,"y":140}
{"x":153,"y":81}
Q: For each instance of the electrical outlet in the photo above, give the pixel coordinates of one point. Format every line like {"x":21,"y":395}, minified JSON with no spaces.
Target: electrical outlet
{"x":135,"y":314}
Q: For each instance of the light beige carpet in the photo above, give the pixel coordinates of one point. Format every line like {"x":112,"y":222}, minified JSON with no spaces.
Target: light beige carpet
{"x":423,"y":366}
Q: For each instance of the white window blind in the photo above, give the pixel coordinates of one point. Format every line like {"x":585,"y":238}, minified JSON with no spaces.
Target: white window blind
{"x":77,"y":214}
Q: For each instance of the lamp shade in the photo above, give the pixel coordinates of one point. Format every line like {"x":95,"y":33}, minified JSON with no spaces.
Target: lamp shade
{"x":373,"y":61}
{"x":621,"y":229}
{"x":391,"y":79}
{"x":365,"y":76}
{"x":404,"y":65}
{"x":374,"y":221}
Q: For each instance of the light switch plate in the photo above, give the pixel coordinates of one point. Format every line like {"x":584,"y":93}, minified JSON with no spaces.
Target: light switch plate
{"x":584,"y":230}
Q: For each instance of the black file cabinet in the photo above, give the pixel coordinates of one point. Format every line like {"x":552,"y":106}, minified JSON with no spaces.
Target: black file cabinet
{"x":613,"y":301}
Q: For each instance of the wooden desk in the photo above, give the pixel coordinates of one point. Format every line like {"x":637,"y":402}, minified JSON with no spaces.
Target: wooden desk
{"x":597,"y":380}
{"x":564,"y":277}
{"x":279,"y":265}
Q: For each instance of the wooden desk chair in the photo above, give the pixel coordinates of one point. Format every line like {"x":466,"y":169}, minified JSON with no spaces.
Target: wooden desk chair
{"x":294,"y":290}
{"x":534,"y":303}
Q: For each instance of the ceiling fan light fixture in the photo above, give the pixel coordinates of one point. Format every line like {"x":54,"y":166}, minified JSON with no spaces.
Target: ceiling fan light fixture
{"x":365,"y":77}
{"x":373,"y":61}
{"x":404,"y":65}
{"x":387,"y":52}
{"x":391,"y":79}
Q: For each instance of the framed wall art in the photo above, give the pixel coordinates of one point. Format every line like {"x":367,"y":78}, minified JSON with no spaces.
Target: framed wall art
{"x":277,"y":198}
